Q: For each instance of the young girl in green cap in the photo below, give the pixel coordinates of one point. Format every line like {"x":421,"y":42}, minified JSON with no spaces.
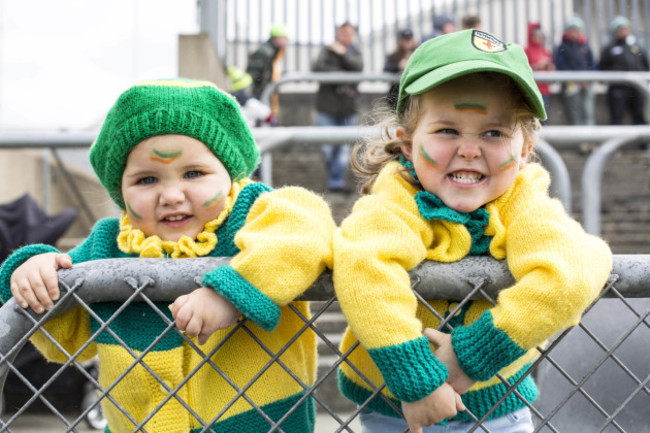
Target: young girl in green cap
{"x":449,"y":178}
{"x":175,"y":155}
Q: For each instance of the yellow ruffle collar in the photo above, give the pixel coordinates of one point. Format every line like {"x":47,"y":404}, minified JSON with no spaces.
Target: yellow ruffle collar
{"x":133,"y":241}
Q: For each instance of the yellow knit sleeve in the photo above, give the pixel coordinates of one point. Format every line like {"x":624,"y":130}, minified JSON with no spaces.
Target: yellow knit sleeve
{"x":285,"y":243}
{"x":378,"y":243}
{"x":559,"y":269}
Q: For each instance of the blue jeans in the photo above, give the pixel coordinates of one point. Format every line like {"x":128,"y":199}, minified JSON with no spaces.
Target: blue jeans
{"x":336,"y":157}
{"x":519,"y":421}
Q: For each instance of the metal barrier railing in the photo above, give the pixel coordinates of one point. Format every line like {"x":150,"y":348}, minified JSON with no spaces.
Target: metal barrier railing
{"x":272,"y":139}
{"x":640,"y":80}
{"x":152,"y":280}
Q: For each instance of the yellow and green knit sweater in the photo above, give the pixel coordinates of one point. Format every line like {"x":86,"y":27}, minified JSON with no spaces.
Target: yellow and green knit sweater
{"x":280,"y":242}
{"x":558,"y":268}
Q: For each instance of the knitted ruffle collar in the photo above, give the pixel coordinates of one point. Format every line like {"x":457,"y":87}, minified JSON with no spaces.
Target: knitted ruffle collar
{"x":431,"y":207}
{"x":133,"y":241}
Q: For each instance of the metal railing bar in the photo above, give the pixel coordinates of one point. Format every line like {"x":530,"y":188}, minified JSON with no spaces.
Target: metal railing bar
{"x":592,"y":178}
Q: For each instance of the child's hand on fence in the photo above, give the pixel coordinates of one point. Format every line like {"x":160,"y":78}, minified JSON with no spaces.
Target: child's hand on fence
{"x":442,"y":403}
{"x":35,"y":283}
{"x":203,"y":312}
{"x":460,"y":381}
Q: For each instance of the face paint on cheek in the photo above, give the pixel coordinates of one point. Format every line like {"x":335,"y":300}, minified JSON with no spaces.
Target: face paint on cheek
{"x":426,"y":156}
{"x":476,"y":108}
{"x":133,"y":213}
{"x":213,"y":202}
{"x":164,"y":157}
{"x":507,"y":165}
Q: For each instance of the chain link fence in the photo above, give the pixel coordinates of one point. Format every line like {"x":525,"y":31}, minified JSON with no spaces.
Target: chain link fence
{"x":592,"y":377}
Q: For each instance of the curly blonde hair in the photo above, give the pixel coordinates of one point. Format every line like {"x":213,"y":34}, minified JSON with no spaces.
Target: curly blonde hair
{"x":372,"y":154}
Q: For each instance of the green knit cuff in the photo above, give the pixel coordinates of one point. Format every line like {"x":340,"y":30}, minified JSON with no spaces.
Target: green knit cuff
{"x":14,"y":261}
{"x":410,"y":370}
{"x":253,"y":304}
{"x":480,"y":401}
{"x":483,"y":349}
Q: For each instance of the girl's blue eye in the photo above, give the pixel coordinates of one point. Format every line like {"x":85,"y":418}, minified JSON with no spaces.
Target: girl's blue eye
{"x":494,"y":134}
{"x":447,"y":131}
{"x":147,"y":180}
{"x":193,"y":174}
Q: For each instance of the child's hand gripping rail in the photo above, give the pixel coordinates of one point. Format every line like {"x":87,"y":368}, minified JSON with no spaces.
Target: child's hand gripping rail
{"x":102,"y":281}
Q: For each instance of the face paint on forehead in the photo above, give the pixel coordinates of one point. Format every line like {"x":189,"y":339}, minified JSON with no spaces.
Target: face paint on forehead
{"x":506,"y":165}
{"x":164,"y":157}
{"x":133,"y":213}
{"x":466,"y":106}
{"x":214,"y":201}
{"x":426,"y":156}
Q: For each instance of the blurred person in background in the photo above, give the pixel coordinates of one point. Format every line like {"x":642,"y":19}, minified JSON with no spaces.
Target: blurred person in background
{"x":574,"y":54}
{"x":265,"y":63}
{"x":540,"y":59}
{"x":624,"y":54}
{"x":442,"y":24}
{"x":396,"y":61}
{"x":255,"y":111}
{"x":471,"y":22}
{"x":336,"y":103}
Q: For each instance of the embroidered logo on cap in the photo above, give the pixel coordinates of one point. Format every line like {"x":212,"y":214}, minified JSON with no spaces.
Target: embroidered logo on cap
{"x":486,"y":42}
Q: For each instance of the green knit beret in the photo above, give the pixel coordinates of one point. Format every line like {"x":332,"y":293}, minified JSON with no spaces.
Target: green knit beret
{"x":197,"y":109}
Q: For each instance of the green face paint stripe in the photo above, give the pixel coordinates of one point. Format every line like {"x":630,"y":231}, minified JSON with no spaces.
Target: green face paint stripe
{"x":426,"y":156}
{"x":505,"y":165}
{"x":166,"y":155}
{"x":213,"y":200}
{"x":132,"y":212}
{"x":479,"y":108}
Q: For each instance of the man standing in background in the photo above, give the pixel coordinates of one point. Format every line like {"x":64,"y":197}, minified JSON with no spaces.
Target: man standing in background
{"x":336,"y":103}
{"x":624,"y":54}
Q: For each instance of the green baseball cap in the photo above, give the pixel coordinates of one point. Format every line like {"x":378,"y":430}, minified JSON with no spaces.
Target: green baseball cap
{"x":465,"y":52}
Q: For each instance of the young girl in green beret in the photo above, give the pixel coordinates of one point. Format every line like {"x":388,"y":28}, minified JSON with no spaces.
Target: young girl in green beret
{"x":451,"y":178}
{"x":174,"y":155}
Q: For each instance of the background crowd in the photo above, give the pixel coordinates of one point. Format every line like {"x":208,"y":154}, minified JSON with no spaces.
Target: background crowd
{"x":337,"y":103}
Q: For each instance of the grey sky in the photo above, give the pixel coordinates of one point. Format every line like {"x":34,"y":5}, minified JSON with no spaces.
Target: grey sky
{"x":63,"y":62}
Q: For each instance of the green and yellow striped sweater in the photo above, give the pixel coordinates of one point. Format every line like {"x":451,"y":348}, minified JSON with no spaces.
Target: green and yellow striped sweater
{"x":558,"y":268}
{"x":280,"y":242}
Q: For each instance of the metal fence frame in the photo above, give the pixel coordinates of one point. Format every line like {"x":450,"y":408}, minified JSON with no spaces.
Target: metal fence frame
{"x":272,"y":139}
{"x":164,"y":280}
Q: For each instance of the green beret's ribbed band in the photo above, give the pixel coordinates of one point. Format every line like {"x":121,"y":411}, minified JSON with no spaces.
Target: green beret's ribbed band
{"x":197,"y":109}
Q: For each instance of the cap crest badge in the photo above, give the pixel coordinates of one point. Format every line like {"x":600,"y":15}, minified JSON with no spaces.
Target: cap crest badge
{"x":486,"y":42}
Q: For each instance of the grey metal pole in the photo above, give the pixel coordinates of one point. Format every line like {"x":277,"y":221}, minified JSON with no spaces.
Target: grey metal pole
{"x":592,"y":178}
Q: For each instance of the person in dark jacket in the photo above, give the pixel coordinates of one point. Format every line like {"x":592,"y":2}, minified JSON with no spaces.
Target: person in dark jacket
{"x":264,"y":63}
{"x":396,"y":61}
{"x":624,"y":54}
{"x":574,"y":54}
{"x":336,"y":104}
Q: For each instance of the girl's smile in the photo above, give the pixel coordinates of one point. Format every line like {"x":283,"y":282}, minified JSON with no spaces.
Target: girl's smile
{"x":466,"y":148}
{"x":172,"y":186}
